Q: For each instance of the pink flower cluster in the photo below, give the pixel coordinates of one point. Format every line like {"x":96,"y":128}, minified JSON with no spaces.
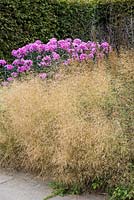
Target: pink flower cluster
{"x":39,"y":57}
{"x":76,"y":49}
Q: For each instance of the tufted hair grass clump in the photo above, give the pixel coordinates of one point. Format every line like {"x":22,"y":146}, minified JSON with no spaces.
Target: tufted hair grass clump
{"x":76,"y":128}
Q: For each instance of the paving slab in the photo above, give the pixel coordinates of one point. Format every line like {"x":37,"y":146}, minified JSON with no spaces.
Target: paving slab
{"x":21,"y":186}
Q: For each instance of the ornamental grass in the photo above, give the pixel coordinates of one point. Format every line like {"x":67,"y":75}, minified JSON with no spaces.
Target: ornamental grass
{"x":75,"y":128}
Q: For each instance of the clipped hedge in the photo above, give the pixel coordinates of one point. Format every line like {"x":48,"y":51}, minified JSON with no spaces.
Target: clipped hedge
{"x":23,"y":21}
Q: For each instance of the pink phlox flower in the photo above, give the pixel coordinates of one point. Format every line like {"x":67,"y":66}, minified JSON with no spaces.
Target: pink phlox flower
{"x":64,"y":44}
{"x":44,"y":64}
{"x":18,"y":62}
{"x":75,"y":45}
{"x":3,"y":62}
{"x":93,"y":45}
{"x":91,"y":56}
{"x":71,"y":51}
{"x":50,"y":47}
{"x":89,"y":44}
{"x":38,"y":58}
{"x":98,"y":46}
{"x":33,"y":47}
{"x":94,"y":50}
{"x":9,"y":79}
{"x":41,"y":48}
{"x":67,"y":62}
{"x":23,"y":51}
{"x":22,"y":69}
{"x":46,"y":58}
{"x":14,"y":53}
{"x":14,"y":74}
{"x":5,"y":83}
{"x":55,"y":56}
{"x":53,"y":41}
{"x":104,"y":45}
{"x":83,"y":56}
{"x":47,"y":47}
{"x":9,"y":67}
{"x":53,"y":48}
{"x":38,"y":42}
{"x":28,"y":67}
{"x":42,"y":76}
{"x":75,"y":56}
{"x":28,"y":63}
{"x":83,"y":46}
{"x":68,"y":40}
{"x":77,"y":41}
{"x":19,"y":53}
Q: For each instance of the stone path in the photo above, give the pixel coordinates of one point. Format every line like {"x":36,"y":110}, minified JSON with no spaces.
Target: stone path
{"x":20,"y":186}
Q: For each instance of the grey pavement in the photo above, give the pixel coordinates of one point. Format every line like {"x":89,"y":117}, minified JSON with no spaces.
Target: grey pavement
{"x":21,"y":186}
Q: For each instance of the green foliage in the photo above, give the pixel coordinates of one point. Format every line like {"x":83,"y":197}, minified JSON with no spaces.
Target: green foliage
{"x":122,"y":193}
{"x":62,"y":189}
{"x":97,"y":184}
{"x":24,"y":21}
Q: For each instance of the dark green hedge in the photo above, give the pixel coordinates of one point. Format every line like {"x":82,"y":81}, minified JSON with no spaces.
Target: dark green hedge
{"x":23,"y":21}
